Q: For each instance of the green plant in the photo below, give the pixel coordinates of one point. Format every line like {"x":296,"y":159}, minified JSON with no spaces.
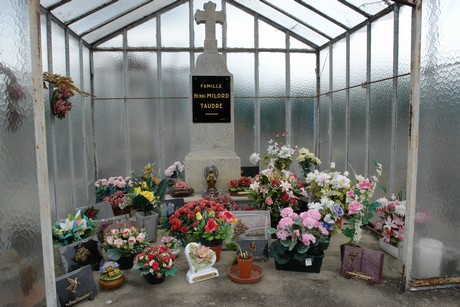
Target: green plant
{"x":240,"y":254}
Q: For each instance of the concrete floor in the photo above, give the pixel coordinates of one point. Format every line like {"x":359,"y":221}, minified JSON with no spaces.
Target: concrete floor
{"x":276,"y":288}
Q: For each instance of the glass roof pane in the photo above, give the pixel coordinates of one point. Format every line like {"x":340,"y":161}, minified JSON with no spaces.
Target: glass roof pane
{"x":311,"y":18}
{"x":337,"y":11}
{"x":104,"y":15}
{"x":283,"y":20}
{"x":125,"y":20}
{"x":369,"y":6}
{"x":73,"y":9}
{"x":48,"y":3}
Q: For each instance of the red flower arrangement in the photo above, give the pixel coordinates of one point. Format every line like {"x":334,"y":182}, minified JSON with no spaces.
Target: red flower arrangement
{"x":239,"y":186}
{"x":156,"y":260}
{"x":204,"y":221}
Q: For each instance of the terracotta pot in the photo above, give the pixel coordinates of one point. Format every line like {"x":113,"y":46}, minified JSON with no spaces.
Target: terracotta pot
{"x":245,"y":266}
{"x":217,"y":249}
{"x":151,"y":279}
{"x":112,"y":284}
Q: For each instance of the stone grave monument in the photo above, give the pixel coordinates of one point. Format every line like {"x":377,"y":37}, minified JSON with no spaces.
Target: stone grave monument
{"x":212,"y":126}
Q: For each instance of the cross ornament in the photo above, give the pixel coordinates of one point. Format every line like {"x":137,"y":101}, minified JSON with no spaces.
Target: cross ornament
{"x":210,"y":17}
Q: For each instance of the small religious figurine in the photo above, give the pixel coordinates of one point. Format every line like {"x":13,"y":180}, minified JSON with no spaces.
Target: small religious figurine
{"x":210,"y":173}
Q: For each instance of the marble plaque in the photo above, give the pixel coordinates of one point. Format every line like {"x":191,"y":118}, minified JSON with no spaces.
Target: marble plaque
{"x":251,"y":225}
{"x":76,"y":286}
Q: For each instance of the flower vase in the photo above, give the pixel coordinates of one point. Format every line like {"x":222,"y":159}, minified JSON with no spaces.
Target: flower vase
{"x":389,"y":248}
{"x":245,"y":267}
{"x":112,"y":284}
{"x":149,"y":223}
{"x":117,"y":211}
{"x":126,"y":262}
{"x":153,"y":280}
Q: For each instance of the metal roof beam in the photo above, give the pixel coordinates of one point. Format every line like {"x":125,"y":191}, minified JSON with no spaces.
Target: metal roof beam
{"x":354,"y":8}
{"x":314,"y":10}
{"x":296,"y":19}
{"x":90,"y":12}
{"x":406,"y":2}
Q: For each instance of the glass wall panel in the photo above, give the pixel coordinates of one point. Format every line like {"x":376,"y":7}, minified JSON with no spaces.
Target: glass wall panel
{"x":439,"y":144}
{"x":108,"y":74}
{"x":357,"y":122}
{"x":339,"y":105}
{"x":175,"y":74}
{"x":272,"y":67}
{"x":21,"y":264}
{"x":241,"y":65}
{"x":382,"y":47}
{"x":380,"y":131}
{"x":270,"y":37}
{"x":324,"y":106}
{"x":402,"y":122}
{"x":144,"y":125}
{"x":176,"y":21}
{"x":78,"y":180}
{"x":303,"y":83}
{"x":142,"y":74}
{"x":109,"y":126}
{"x":143,"y":35}
{"x":116,"y":42}
{"x":240,"y":28}
{"x":272,"y":121}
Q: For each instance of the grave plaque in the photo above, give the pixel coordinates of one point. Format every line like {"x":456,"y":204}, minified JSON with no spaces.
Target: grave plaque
{"x":80,"y":254}
{"x":211,"y":99}
{"x":251,"y":225}
{"x":363,"y":263}
{"x":76,"y":286}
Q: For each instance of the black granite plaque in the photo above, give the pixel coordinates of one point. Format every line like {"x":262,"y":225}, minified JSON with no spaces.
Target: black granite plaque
{"x":211,"y":98}
{"x":80,"y":254}
{"x":76,"y":286}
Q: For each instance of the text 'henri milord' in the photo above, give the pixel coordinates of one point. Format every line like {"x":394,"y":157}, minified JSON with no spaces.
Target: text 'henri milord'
{"x":211,"y":96}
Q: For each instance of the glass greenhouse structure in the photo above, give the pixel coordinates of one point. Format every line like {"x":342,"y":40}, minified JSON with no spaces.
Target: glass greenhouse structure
{"x":355,"y":81}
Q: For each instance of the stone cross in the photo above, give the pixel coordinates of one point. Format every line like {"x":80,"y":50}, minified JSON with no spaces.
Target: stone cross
{"x":210,"y":17}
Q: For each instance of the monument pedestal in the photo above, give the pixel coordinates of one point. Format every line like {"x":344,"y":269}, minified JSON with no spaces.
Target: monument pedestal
{"x":227,"y":164}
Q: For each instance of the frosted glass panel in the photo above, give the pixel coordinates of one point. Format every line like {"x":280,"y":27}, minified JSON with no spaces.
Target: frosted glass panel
{"x":357,"y":140}
{"x":402,"y":123}
{"x":142,"y":74}
{"x":272,"y":74}
{"x":296,"y":44}
{"x":176,"y":130}
{"x":117,"y":41}
{"x":58,"y":49}
{"x":108,"y":74}
{"x":272,"y":120}
{"x":358,"y":54}
{"x":240,"y":28}
{"x":78,"y":180}
{"x":143,"y":35}
{"x":324,"y":106}
{"x":380,"y":131}
{"x":43,"y":42}
{"x":175,"y":74}
{"x":143,"y":121}
{"x":109,"y":126}
{"x":339,"y":130}
{"x":270,"y":37}
{"x":404,"y":39}
{"x":241,"y":65}
{"x":21,"y":263}
{"x":382,"y":47}
{"x":174,"y":27}
{"x":439,"y":144}
{"x":303,"y":76}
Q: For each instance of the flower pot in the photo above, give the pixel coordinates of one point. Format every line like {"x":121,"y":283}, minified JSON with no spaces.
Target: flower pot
{"x":126,"y":262}
{"x":149,"y":223}
{"x":312,"y":264}
{"x":217,"y":249}
{"x":117,"y":211}
{"x":245,"y":266}
{"x":181,"y":193}
{"x":112,"y":284}
{"x":153,"y":280}
{"x":389,"y":248}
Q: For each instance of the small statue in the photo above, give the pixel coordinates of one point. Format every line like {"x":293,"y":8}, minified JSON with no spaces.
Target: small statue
{"x":210,"y":173}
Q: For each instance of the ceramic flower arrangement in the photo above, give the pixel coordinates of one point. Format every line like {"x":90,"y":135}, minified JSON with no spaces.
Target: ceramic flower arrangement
{"x":158,"y":261}
{"x":240,"y":186}
{"x":175,"y":170}
{"x":201,"y":256}
{"x":73,"y":228}
{"x":297,"y":234}
{"x":391,"y":219}
{"x":106,"y":187}
{"x":170,"y":242}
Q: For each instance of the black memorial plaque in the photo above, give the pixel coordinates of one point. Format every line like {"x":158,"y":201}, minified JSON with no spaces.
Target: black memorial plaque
{"x":211,"y":99}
